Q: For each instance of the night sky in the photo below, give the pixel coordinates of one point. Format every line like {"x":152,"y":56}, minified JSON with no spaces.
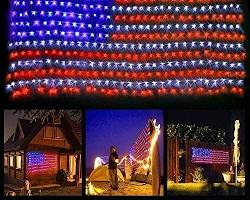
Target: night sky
{"x":10,"y":122}
{"x":116,"y":127}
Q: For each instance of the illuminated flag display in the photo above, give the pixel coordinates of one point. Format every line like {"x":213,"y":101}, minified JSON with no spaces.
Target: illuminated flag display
{"x":141,"y":148}
{"x":126,"y":47}
{"x":38,"y":162}
{"x":209,"y":156}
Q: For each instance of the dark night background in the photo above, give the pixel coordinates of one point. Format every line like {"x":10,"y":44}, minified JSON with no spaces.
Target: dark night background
{"x":216,"y":119}
{"x":10,"y":123}
{"x":119,"y":128}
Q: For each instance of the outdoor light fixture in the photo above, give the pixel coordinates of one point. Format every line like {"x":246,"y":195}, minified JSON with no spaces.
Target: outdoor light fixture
{"x":125,"y":47}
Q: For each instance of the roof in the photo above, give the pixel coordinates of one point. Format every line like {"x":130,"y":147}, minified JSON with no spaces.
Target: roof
{"x":30,"y":129}
{"x":26,"y":126}
{"x":74,"y":128}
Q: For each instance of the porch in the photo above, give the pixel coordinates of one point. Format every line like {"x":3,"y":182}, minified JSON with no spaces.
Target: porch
{"x":72,"y":163}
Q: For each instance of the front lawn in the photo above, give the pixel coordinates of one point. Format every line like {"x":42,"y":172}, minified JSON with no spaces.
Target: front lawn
{"x":204,"y":189}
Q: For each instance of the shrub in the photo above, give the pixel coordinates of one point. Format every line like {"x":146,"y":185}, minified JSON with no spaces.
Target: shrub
{"x":198,"y":175}
{"x":62,"y":176}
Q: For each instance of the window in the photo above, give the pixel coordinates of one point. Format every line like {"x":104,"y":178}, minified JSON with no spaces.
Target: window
{"x":18,"y":162}
{"x":48,"y":132}
{"x":11,"y":161}
{"x":58,"y":133}
{"x":5,"y":161}
{"x":51,"y":132}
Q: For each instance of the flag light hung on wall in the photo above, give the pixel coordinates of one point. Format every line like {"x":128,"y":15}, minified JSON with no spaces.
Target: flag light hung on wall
{"x":40,"y":162}
{"x":125,"y":47}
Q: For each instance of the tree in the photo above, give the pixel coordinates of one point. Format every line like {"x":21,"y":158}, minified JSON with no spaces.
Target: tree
{"x":198,"y":133}
{"x":44,"y":115}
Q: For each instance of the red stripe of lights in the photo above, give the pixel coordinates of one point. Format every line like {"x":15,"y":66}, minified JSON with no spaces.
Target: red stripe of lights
{"x":217,"y":18}
{"x":130,"y":57}
{"x":179,"y":36}
{"x":74,"y":73}
{"x":53,"y":91}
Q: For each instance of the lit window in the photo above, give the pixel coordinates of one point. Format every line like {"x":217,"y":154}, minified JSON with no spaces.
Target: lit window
{"x":18,"y":162}
{"x":11,"y":161}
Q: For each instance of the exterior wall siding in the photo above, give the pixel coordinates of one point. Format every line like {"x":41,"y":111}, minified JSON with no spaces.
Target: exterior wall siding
{"x":40,"y":140}
{"x":63,"y":162}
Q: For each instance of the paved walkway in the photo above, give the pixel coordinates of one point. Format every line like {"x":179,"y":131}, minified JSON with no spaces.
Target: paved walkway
{"x":49,"y":190}
{"x":37,"y":187}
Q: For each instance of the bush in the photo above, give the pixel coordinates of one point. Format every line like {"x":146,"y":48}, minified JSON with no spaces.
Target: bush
{"x":62,"y":176}
{"x":242,"y":170}
{"x":198,"y":176}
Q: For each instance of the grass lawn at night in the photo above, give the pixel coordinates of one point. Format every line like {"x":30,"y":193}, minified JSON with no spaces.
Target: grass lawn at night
{"x":204,"y":189}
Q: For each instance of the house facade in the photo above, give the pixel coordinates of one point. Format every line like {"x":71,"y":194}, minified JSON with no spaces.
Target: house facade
{"x":37,"y":151}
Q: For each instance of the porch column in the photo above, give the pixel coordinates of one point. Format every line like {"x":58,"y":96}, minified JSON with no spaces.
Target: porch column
{"x":14,"y":164}
{"x":78,"y":166}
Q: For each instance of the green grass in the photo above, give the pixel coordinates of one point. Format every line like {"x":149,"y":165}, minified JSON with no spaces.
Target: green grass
{"x":204,"y":189}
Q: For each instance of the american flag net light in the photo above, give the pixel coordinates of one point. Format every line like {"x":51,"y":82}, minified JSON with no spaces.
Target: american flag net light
{"x":40,"y":162}
{"x":209,"y":156}
{"x":140,"y":150}
{"x":125,"y":47}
